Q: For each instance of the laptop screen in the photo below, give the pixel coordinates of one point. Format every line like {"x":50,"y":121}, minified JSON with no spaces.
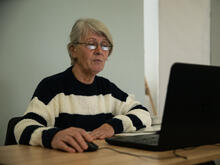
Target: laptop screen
{"x":192,"y":109}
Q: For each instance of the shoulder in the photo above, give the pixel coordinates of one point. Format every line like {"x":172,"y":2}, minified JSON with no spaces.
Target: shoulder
{"x":51,"y":86}
{"x":51,"y":80}
{"x":109,"y":87}
{"x":56,"y":79}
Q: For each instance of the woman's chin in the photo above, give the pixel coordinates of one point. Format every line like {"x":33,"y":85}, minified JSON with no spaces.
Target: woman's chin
{"x":97,"y":70}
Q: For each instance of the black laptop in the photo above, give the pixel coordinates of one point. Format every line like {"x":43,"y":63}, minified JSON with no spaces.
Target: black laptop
{"x":191,"y":114}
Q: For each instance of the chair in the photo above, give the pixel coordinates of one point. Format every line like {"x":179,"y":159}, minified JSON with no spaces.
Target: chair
{"x":10,"y":138}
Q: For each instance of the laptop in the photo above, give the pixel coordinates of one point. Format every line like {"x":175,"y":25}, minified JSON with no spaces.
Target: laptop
{"x":191,"y":114}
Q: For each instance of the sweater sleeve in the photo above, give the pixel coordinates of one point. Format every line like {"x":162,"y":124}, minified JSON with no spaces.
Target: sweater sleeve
{"x":129,"y":114}
{"x":37,"y":124}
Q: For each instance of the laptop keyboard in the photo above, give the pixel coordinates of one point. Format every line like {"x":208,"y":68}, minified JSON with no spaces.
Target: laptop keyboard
{"x":151,"y":139}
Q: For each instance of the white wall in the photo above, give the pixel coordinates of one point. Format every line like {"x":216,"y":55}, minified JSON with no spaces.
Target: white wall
{"x":33,"y":42}
{"x":174,"y":31}
{"x":215,"y":32}
{"x":184,"y":36}
{"x":151,"y":50}
{"x":215,"y":37}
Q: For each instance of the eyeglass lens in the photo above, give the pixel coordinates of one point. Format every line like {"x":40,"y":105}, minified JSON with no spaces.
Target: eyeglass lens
{"x":94,"y":45}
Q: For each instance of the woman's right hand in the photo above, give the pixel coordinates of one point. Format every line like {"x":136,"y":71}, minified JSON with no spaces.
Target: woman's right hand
{"x":71,"y":140}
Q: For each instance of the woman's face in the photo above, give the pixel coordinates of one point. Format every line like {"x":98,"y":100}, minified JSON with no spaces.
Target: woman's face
{"x":90,"y":61}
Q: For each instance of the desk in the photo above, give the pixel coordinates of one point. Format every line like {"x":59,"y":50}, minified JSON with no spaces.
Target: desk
{"x":33,"y":155}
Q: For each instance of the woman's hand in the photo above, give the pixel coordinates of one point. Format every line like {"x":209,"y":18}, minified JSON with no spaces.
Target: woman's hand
{"x":104,"y":131}
{"x":71,"y":140}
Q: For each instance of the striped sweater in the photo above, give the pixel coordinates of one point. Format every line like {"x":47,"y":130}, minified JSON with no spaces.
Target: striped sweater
{"x":61,"y":101}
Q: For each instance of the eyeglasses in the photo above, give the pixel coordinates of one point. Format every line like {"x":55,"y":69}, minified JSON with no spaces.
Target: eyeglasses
{"x":94,"y":45}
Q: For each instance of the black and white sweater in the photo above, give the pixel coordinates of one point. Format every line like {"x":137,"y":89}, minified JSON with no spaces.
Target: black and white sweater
{"x":61,"y":101}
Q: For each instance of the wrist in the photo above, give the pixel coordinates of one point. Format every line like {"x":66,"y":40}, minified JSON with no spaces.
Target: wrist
{"x":116,"y":124}
{"x":109,"y":127}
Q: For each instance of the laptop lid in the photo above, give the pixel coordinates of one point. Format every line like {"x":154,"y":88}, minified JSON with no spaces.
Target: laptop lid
{"x":192,"y":112}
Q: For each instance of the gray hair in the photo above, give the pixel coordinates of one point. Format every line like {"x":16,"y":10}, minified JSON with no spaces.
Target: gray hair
{"x":82,"y":27}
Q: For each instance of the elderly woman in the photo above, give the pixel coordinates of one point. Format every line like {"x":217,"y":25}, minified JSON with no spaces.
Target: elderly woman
{"x":76,"y":106}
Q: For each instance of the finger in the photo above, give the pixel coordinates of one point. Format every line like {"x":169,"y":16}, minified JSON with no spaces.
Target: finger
{"x":102,"y":137}
{"x":98,"y":134}
{"x":95,"y":132}
{"x":86,"y":136}
{"x":81,"y":141}
{"x":73,"y":143}
{"x":94,"y":135}
{"x":63,"y":146}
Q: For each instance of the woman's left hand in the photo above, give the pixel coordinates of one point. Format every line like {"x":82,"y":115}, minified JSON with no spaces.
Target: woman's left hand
{"x":104,"y":131}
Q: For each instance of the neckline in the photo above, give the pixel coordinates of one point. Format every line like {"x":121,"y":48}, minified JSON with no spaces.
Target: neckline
{"x":73,"y":77}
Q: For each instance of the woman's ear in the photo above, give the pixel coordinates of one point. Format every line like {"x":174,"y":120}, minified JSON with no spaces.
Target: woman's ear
{"x":73,"y":51}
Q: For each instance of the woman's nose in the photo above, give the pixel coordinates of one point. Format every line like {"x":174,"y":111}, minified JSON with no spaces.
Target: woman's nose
{"x":98,"y":50}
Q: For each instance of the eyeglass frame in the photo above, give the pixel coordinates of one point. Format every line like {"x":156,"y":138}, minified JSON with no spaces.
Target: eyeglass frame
{"x":94,"y":44}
